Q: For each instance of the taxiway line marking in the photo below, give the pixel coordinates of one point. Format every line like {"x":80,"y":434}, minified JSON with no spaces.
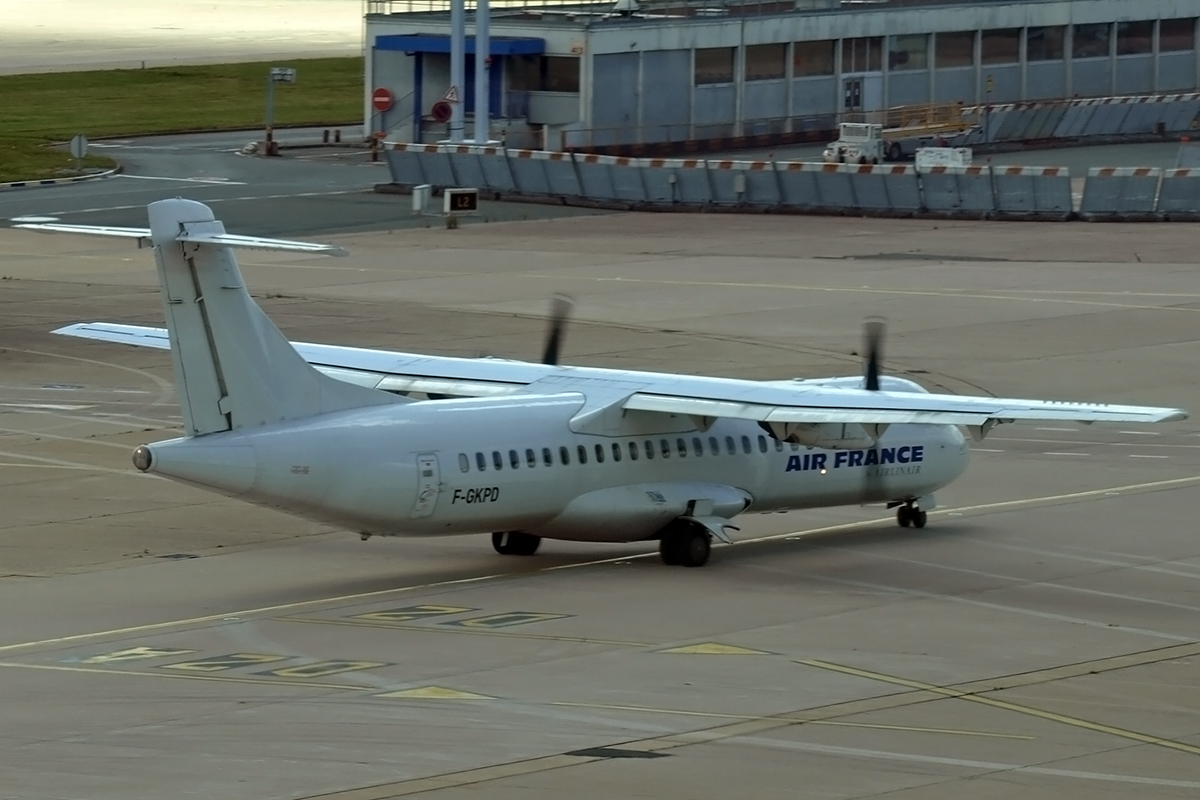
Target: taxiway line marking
{"x":185,"y":676}
{"x":960,"y":694}
{"x":460,"y":630}
{"x":795,"y":720}
{"x":317,"y":602}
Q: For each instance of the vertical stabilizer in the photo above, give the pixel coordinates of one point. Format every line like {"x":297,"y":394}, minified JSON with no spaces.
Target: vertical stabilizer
{"x":233,"y":367}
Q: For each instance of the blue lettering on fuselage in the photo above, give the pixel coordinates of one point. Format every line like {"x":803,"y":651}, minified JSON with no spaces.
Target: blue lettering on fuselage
{"x":908,"y":454}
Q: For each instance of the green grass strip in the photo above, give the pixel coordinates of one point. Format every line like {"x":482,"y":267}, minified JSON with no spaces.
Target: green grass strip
{"x":46,"y":107}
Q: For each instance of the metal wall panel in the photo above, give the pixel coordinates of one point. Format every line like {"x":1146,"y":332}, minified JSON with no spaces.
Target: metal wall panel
{"x":1045,"y":80}
{"x":667,"y":103}
{"x":954,"y":85}
{"x":1135,"y":74}
{"x":812,"y":96}
{"x":1176,"y":72}
{"x":1006,"y":83}
{"x":908,"y":88}
{"x":715,"y":104}
{"x":764,"y":100}
{"x":615,"y":96}
{"x":1091,"y":77}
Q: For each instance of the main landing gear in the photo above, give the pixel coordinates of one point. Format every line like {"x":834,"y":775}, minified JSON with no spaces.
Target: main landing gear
{"x":908,"y":514}
{"x":684,"y":544}
{"x":515,"y":543}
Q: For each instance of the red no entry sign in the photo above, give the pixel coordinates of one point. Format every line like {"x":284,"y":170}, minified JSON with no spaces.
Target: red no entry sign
{"x":382,"y":99}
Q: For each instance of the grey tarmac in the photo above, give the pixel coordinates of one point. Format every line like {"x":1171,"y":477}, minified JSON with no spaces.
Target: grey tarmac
{"x":1038,"y":638}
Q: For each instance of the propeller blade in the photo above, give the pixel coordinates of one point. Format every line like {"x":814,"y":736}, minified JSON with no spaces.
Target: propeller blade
{"x":873,"y":330}
{"x":560,"y":311}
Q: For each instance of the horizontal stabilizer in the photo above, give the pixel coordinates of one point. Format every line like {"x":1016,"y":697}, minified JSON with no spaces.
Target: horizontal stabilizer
{"x":193,"y":237}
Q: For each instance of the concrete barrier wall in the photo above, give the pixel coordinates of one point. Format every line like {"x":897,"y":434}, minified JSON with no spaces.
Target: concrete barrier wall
{"x":1109,"y":193}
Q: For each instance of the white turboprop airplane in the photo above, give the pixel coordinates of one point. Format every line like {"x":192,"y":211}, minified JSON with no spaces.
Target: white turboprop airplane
{"x":392,"y":444}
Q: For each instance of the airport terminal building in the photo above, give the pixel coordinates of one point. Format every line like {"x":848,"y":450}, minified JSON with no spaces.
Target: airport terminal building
{"x":643,"y":71}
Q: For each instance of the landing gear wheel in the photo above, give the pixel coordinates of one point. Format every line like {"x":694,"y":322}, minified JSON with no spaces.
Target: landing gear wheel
{"x":904,"y":516}
{"x":515,"y":543}
{"x":918,"y":518}
{"x":895,"y":152}
{"x":685,"y":546}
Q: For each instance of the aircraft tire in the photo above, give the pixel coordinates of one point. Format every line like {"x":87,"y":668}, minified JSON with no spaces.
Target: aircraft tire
{"x":668,"y":551}
{"x":515,"y":543}
{"x":904,"y":516}
{"x":696,"y":546}
{"x":918,"y":518}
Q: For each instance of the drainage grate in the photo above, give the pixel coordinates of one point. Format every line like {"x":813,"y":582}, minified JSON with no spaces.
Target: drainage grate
{"x":614,"y":752}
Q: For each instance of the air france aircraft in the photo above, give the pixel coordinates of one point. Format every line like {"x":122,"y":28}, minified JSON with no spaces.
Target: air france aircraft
{"x":397,"y":444}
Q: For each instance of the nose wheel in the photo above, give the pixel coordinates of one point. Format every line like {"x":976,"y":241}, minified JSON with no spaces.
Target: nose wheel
{"x":909,"y":515}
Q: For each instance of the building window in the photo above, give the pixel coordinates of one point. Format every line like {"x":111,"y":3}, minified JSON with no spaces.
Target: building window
{"x":954,"y":49}
{"x":862,"y":55}
{"x":714,"y":65}
{"x":1135,"y":38}
{"x":812,"y":58}
{"x":1175,"y":35}
{"x":1091,"y":41}
{"x":543,"y":73}
{"x":766,"y":62}
{"x":1000,"y":46}
{"x":1045,"y":44}
{"x":464,"y":463}
{"x":908,"y":52}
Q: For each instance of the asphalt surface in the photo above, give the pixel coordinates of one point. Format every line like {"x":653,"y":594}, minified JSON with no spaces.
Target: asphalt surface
{"x":1038,"y":638}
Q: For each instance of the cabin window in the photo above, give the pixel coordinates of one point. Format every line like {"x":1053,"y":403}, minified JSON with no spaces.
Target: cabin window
{"x":616,"y":451}
{"x":564,"y":455}
{"x":779,"y":445}
{"x":795,"y":446}
{"x":714,"y":446}
{"x":464,"y":463}
{"x":514,"y":458}
{"x":649,"y":449}
{"x":633,"y":451}
{"x":599,"y":454}
{"x":762,"y":444}
{"x":730,"y":447}
{"x":497,"y":460}
{"x":530,"y":457}
{"x":698,"y":446}
{"x":480,"y":462}
{"x":681,"y":445}
{"x":547,"y":457}
{"x":582,"y":454}
{"x":666,"y":447}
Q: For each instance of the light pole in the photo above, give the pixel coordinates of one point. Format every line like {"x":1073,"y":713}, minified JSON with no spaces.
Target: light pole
{"x":276,"y":75}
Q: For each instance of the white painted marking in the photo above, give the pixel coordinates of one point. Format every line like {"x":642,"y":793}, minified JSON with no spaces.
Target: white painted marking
{"x":185,"y":180}
{"x":1068,"y":430}
{"x":1141,"y":433}
{"x":44,"y":406}
{"x":33,"y":219}
{"x":1082,"y":455}
{"x":1139,"y":456}
{"x":984,"y":450}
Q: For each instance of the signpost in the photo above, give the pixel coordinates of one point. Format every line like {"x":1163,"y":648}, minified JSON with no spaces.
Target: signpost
{"x":276,"y":75}
{"x":382,"y":99}
{"x":79,"y":144}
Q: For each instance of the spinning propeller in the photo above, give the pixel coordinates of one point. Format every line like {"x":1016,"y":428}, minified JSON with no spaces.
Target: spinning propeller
{"x":560,"y":312}
{"x":873,"y":332}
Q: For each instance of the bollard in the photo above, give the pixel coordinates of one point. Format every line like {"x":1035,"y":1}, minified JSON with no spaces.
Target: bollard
{"x":325,"y":137}
{"x":337,"y":136}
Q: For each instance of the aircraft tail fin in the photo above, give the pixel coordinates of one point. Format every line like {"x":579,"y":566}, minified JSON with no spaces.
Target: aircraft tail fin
{"x":233,"y":367}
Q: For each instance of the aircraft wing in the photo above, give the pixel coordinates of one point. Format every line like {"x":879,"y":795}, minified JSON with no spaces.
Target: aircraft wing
{"x":775,"y":402}
{"x":815,"y":404}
